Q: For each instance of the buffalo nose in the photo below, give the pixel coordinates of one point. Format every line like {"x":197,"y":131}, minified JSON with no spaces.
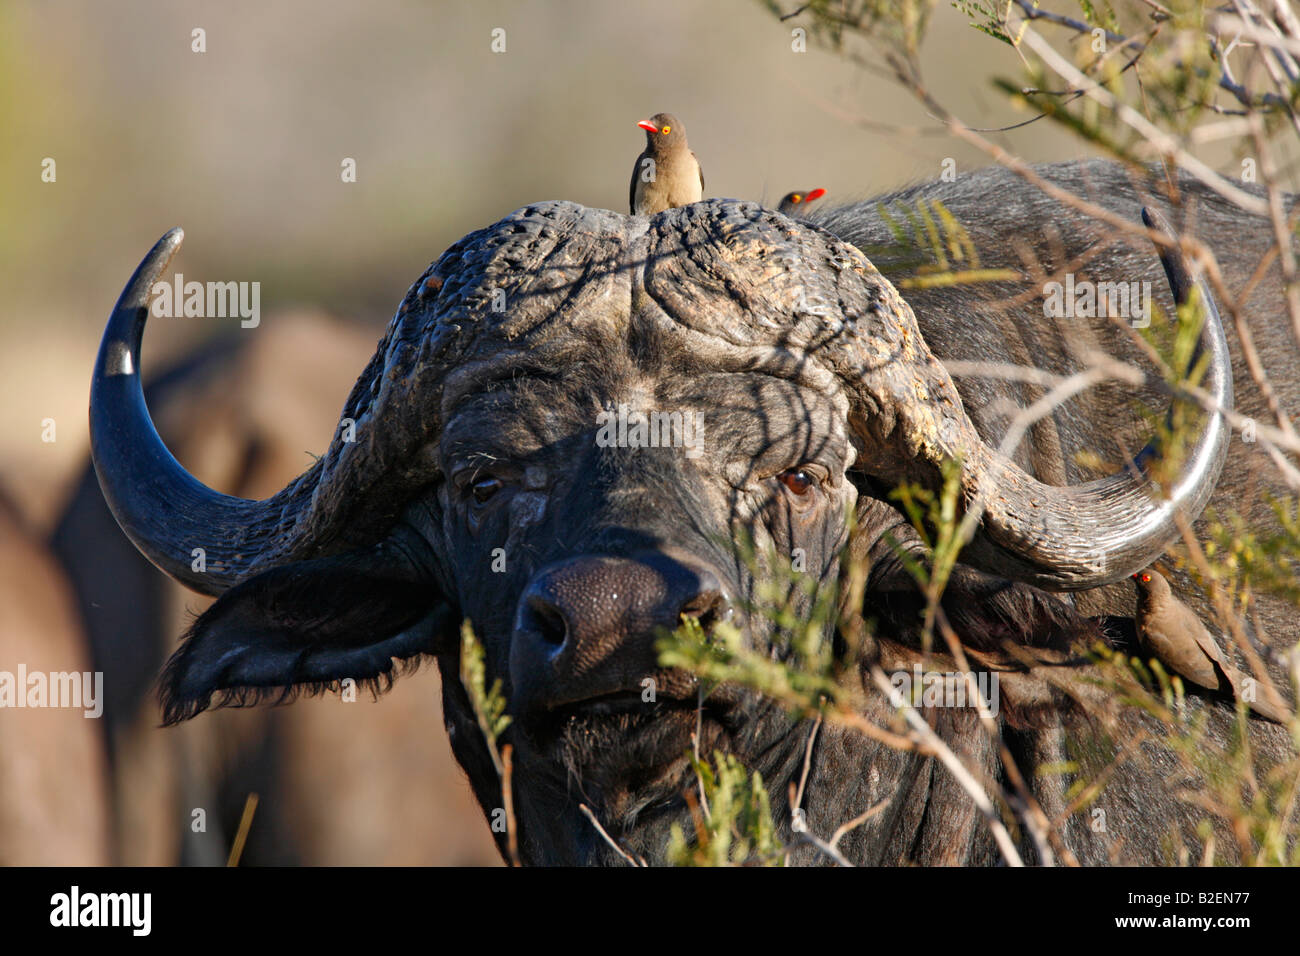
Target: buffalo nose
{"x":586,"y":627}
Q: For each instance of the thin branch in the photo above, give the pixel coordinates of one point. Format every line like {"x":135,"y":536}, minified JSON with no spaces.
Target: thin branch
{"x":1036,"y":822}
{"x":1243,"y":28}
{"x":1280,"y":65}
{"x":695,"y":747}
{"x":844,"y":829}
{"x":807,"y":762}
{"x":806,"y":836}
{"x":241,"y":835}
{"x":633,"y":861}
{"x":1226,"y":81}
{"x":1159,"y":140}
{"x":1277,"y":219}
{"x":1032,"y":12}
{"x":508,"y":800}
{"x":954,"y":765}
{"x":796,"y":793}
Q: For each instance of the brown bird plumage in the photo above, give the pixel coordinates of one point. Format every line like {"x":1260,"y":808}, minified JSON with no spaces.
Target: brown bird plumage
{"x":666,"y":174}
{"x":794,"y":202}
{"x":1172,"y":632}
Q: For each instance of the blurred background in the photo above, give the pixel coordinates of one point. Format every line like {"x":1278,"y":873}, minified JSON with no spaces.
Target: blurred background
{"x":242,"y":145}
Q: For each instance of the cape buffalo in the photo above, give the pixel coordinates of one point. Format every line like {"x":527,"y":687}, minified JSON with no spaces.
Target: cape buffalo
{"x":482,"y":481}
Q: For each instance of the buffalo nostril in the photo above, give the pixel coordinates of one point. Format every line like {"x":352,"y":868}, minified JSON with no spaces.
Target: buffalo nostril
{"x":545,"y":619}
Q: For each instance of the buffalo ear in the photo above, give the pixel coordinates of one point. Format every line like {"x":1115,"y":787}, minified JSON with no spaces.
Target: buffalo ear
{"x":305,"y":626}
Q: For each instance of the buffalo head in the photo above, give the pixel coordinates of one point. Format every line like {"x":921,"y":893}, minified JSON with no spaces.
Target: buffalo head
{"x":571,"y":421}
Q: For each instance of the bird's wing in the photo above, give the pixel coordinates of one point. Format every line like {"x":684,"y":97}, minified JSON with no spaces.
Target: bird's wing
{"x":1205,"y":640}
{"x":701,"y":169}
{"x":1226,"y":670}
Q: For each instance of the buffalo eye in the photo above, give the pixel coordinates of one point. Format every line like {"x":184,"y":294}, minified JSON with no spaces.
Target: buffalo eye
{"x":484,"y":488}
{"x":797,"y":480}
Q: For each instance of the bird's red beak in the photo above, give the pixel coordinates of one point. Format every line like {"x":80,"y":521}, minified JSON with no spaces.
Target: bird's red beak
{"x":647,"y":125}
{"x":815,"y":194}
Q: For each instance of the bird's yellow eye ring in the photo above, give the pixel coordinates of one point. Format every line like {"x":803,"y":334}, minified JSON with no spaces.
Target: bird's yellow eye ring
{"x":796,"y":198}
{"x":666,"y":130}
{"x":1146,"y":578}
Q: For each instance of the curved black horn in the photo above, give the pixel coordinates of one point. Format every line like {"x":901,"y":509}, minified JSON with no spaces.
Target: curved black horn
{"x":1138,"y":526}
{"x":1218,"y":375}
{"x":167,"y":513}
